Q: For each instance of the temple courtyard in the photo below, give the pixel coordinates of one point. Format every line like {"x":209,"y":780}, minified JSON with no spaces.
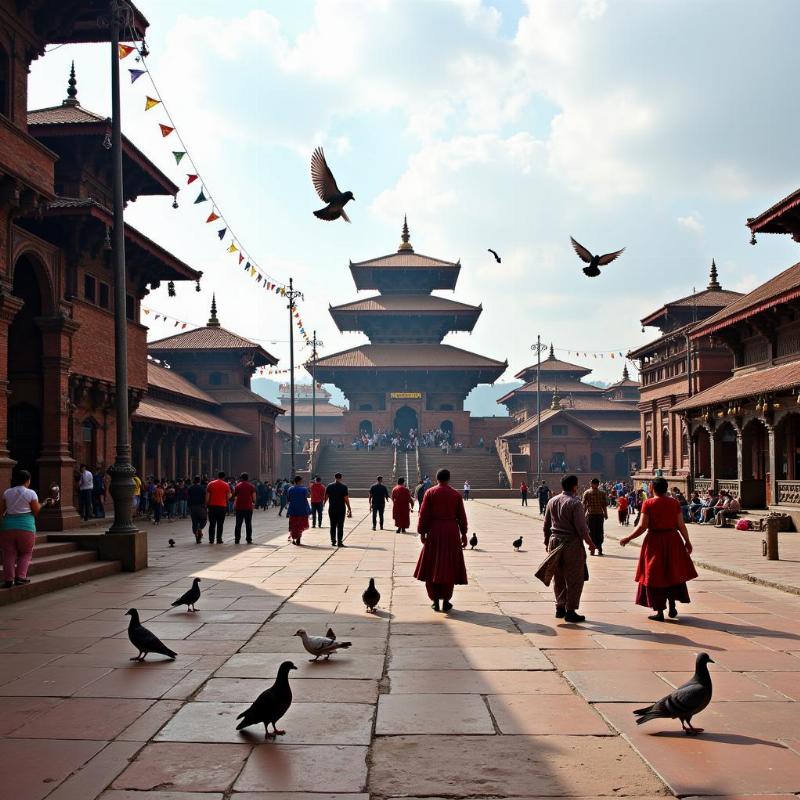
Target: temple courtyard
{"x":495,"y":700}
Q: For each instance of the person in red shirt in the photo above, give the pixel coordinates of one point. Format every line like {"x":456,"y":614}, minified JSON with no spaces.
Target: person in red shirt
{"x":218,"y":493}
{"x":317,"y":501}
{"x":244,"y":500}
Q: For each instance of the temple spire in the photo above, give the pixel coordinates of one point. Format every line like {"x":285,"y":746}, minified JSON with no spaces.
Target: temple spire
{"x":72,"y":92}
{"x":213,"y":322}
{"x":713,"y":283}
{"x":555,"y":403}
{"x":625,"y":375}
{"x":405,"y":245}
{"x":552,"y":354}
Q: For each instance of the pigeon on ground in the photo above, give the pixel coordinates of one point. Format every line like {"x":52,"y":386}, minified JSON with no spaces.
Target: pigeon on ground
{"x":144,"y":640}
{"x":473,"y":541}
{"x":271,"y":704}
{"x":371,"y":596}
{"x":328,"y":191}
{"x":171,"y":542}
{"x":321,"y":645}
{"x":496,"y":257}
{"x":517,"y":543}
{"x":594,"y":261}
{"x":189,"y":598}
{"x":685,"y":701}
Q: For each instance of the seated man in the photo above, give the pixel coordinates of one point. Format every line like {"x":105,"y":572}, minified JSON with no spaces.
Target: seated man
{"x":709,"y":512}
{"x":729,"y":510}
{"x":695,"y":504}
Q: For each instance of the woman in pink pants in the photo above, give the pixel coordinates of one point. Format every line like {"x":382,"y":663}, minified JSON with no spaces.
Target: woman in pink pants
{"x":19,"y":507}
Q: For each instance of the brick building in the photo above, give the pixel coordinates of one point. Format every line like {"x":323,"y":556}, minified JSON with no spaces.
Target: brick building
{"x":311,"y":412}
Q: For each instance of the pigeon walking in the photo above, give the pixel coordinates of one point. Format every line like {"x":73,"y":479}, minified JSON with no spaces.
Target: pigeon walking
{"x":371,"y":596}
{"x":473,"y":541}
{"x":517,"y":543}
{"x":322,"y":645}
{"x":328,"y":191}
{"x":271,"y":704}
{"x":685,"y":701}
{"x":144,"y":640}
{"x":189,"y":598}
{"x":594,"y":262}
{"x":171,"y":542}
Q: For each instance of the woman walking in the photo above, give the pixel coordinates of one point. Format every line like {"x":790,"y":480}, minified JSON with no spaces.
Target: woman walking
{"x":441,"y":563}
{"x":523,"y":492}
{"x":402,"y":503}
{"x":298,"y":511}
{"x":665,"y":563}
{"x":19,"y":507}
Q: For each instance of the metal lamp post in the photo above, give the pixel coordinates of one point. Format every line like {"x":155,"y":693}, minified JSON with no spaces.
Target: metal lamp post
{"x":314,"y":344}
{"x":538,"y":348}
{"x":292,"y":294}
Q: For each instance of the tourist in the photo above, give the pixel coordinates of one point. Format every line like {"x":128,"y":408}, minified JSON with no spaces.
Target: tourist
{"x":378,"y":495}
{"x":196,"y":497}
{"x":427,"y":482}
{"x":338,"y":500}
{"x":85,"y":487}
{"x":441,"y":563}
{"x":298,"y":510}
{"x":262,"y":498}
{"x":244,"y":500}
{"x":137,"y":495}
{"x":283,"y":487}
{"x":622,"y":509}
{"x":99,"y":493}
{"x":317,"y":501}
{"x":543,"y":492}
{"x":523,"y":493}
{"x":157,"y":503}
{"x":419,"y":492}
{"x":170,"y":499}
{"x":595,"y":503}
{"x":402,"y":505}
{"x":695,"y":504}
{"x":501,"y":478}
{"x":19,"y":508}
{"x":218,"y":493}
{"x":715,"y":505}
{"x":729,"y":510}
{"x":565,"y":531}
{"x":182,"y":492}
{"x":467,"y":489}
{"x":665,"y":563}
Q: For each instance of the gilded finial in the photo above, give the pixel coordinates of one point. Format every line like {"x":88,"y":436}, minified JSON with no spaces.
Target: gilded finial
{"x":713,"y":283}
{"x":405,"y":245}
{"x":72,"y":92}
{"x":552,"y":352}
{"x":625,"y":375}
{"x":213,"y":322}
{"x":555,"y":404}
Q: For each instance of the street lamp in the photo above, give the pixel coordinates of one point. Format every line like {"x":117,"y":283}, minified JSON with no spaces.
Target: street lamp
{"x":538,"y":347}
{"x":315,"y":343}
{"x":292,"y":294}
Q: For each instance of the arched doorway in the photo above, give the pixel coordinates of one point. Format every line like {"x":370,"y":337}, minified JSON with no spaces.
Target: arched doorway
{"x":25,"y":381}
{"x":755,"y":463}
{"x":405,"y":419}
{"x":702,"y":453}
{"x":597,"y":462}
{"x":365,"y":427}
{"x":726,"y":466}
{"x":447,"y":427}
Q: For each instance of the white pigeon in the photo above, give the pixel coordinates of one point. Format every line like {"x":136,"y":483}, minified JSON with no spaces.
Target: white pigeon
{"x":321,"y":645}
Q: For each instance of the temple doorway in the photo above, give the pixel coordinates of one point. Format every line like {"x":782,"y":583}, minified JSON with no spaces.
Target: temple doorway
{"x":25,"y":373}
{"x":405,"y":419}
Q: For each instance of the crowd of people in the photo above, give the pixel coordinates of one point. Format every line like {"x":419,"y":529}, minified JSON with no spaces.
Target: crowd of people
{"x":438,"y":437}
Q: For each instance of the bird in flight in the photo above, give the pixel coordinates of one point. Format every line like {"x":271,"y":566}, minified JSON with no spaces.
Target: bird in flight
{"x":328,"y":191}
{"x":496,"y":257}
{"x":594,"y":261}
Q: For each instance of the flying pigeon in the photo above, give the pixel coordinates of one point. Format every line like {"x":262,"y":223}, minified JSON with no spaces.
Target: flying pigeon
{"x":371,"y":596}
{"x":321,"y":645}
{"x":594,"y":261}
{"x":189,"y":598}
{"x":271,"y":704}
{"x":473,"y":541}
{"x":685,"y":701}
{"x":517,"y":543}
{"x":328,"y":191}
{"x":171,"y":542}
{"x":144,"y":640}
{"x":496,"y":257}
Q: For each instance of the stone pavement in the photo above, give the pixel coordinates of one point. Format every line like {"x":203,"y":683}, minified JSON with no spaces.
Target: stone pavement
{"x":496,"y":699}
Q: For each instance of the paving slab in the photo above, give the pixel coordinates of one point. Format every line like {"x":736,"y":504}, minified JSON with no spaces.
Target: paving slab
{"x":429,"y":714}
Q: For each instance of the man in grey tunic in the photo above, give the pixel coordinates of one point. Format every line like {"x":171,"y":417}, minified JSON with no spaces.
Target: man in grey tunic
{"x":565,"y":530}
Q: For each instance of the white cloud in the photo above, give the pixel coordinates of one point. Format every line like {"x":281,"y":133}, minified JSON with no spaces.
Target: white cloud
{"x":691,"y":222}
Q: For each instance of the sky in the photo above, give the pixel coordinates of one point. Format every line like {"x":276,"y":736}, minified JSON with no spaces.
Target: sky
{"x":654,"y":125}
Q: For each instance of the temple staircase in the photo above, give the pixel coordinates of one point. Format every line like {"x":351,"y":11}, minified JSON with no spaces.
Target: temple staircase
{"x":359,"y":468}
{"x":475,"y":464}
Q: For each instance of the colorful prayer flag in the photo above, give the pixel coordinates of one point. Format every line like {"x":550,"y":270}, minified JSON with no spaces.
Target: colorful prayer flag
{"x":179,"y":154}
{"x":241,"y":258}
{"x":221,"y":233}
{"x":191,"y":178}
{"x":252,"y":271}
{"x":136,"y":74}
{"x":201,"y":198}
{"x":165,"y":129}
{"x":233,"y":248}
{"x":149,"y":102}
{"x":125,"y":50}
{"x":212,"y":216}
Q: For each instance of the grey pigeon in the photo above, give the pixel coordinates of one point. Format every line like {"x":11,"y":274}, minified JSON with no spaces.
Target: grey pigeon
{"x":144,"y":640}
{"x":517,"y":543}
{"x":321,"y":645}
{"x":371,"y":596}
{"x":593,"y":261}
{"x":171,"y":542}
{"x":271,"y":704}
{"x":685,"y":701}
{"x":328,"y":191}
{"x":473,"y":541}
{"x":189,"y":598}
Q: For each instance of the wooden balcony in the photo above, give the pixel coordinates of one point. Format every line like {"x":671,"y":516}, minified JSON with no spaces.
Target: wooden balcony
{"x":25,"y":159}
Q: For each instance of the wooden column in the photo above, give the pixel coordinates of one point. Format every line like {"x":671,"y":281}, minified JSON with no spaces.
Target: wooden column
{"x":712,"y":457}
{"x":740,"y":455}
{"x":772,"y":486}
{"x":173,"y":461}
{"x":9,"y":306}
{"x":187,"y":471}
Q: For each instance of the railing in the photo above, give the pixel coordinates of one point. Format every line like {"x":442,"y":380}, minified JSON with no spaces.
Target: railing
{"x":702,"y":484}
{"x":788,"y":492}
{"x":506,"y":458}
{"x":731,"y":486}
{"x":394,"y":465}
{"x":419,"y":468}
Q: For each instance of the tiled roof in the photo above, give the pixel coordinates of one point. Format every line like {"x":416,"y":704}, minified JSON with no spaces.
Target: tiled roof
{"x":241,"y":394}
{"x":168,"y":380}
{"x":184,"y":416}
{"x":555,"y":365}
{"x":632,"y":444}
{"x":708,"y":298}
{"x":622,"y":385}
{"x":304,"y":409}
{"x":777,"y":290}
{"x":403,"y":356}
{"x":644,"y":349}
{"x":763,"y":220}
{"x":407,"y":302}
{"x":600,"y":403}
{"x":66,"y":114}
{"x":745,"y":385}
{"x":405,"y":260}
{"x":566,"y":386}
{"x":531,"y":423}
{"x":209,"y":338}
{"x":606,"y":422}
{"x":302,"y":390}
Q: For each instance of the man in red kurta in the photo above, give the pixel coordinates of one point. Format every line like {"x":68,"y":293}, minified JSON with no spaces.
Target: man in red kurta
{"x":441,"y":563}
{"x":402,"y":504}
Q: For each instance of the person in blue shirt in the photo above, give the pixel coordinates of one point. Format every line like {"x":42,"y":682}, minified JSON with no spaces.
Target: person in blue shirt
{"x":299,"y":509}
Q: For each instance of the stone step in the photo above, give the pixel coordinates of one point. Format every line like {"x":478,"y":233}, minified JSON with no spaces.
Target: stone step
{"x":46,"y":548}
{"x":59,"y":579}
{"x":42,"y":564}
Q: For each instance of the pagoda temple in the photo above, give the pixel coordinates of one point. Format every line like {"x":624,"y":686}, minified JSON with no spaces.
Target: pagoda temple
{"x":405,"y":377}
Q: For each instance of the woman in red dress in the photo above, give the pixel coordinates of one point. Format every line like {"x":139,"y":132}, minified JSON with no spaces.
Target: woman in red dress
{"x":441,"y":563}
{"x":402,"y":503}
{"x":665,"y":563}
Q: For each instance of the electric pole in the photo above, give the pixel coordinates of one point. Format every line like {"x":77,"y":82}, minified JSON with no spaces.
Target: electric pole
{"x":292,"y":294}
{"x":314,"y":344}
